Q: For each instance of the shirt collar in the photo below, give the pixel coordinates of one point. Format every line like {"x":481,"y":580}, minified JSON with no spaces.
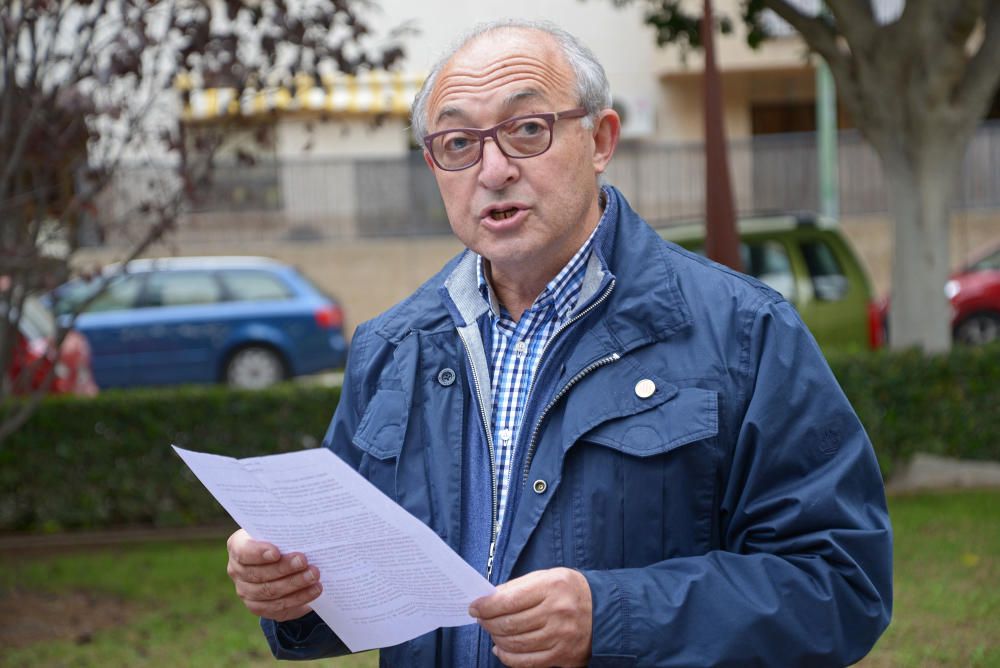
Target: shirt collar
{"x":563,"y":290}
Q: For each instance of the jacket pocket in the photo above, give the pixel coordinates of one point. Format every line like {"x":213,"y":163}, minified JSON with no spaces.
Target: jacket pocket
{"x":641,"y":488}
{"x":690,"y":415}
{"x":380,"y":436}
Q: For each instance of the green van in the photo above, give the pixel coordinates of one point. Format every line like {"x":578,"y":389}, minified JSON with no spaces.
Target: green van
{"x":809,"y":261}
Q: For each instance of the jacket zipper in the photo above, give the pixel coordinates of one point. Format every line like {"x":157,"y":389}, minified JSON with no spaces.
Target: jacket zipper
{"x":613,"y":357}
{"x":493,"y":473}
{"x":572,"y":381}
{"x":541,"y":359}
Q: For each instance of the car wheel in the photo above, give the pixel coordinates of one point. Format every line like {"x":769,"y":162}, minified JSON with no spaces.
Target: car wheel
{"x":254,"y":367}
{"x":978,"y":329}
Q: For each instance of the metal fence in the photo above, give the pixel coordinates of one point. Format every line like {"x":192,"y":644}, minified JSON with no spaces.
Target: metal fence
{"x":331,"y":199}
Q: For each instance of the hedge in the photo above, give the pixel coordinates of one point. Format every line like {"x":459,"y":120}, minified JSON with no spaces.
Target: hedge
{"x":945,"y":405}
{"x":107,"y":461}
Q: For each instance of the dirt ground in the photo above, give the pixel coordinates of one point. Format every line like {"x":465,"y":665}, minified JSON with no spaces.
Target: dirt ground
{"x":28,"y":617}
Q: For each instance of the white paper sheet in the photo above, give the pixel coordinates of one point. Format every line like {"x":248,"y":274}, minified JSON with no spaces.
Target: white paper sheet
{"x":386,"y":576}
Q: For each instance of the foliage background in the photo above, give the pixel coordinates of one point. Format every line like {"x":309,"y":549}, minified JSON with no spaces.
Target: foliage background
{"x":106,"y":461}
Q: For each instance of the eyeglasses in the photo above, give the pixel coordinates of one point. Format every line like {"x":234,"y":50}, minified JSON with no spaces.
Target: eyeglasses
{"x":518,"y":137}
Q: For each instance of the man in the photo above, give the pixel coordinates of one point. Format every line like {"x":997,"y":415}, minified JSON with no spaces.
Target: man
{"x":645,"y":451}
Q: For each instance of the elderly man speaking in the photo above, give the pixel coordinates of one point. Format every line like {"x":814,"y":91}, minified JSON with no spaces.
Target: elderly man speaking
{"x":644,"y":451}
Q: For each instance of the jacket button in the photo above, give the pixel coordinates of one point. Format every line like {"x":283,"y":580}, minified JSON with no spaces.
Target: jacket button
{"x":539,"y":486}
{"x":645,"y":388}
{"x":446,"y":377}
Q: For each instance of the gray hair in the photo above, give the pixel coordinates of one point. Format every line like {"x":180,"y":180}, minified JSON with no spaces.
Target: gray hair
{"x":592,"y":85}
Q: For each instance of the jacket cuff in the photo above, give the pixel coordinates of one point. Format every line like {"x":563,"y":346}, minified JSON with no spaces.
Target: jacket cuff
{"x":307,"y":637}
{"x":611,"y":642}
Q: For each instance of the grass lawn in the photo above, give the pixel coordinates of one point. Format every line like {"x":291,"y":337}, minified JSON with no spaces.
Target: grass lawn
{"x":172,"y":604}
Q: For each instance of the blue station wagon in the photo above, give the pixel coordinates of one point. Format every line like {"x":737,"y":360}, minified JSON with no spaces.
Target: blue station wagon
{"x":245,"y":321}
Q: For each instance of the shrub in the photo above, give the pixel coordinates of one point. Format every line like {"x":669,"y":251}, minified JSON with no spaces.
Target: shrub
{"x":107,"y":461}
{"x":909,"y":402}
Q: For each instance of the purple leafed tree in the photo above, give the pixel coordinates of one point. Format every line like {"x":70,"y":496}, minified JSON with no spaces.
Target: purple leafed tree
{"x":88,"y":90}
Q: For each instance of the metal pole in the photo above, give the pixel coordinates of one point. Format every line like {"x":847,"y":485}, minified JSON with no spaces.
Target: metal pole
{"x":826,"y":135}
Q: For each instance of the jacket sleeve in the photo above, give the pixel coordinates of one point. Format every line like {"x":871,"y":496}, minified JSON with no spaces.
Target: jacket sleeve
{"x":803,"y":576}
{"x":309,"y":637}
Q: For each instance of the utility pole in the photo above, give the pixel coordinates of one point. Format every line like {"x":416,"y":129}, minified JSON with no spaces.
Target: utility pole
{"x":722,"y":242}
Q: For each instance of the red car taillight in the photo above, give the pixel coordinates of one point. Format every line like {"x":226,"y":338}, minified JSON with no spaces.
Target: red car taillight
{"x":329,"y":317}
{"x":876,"y":329}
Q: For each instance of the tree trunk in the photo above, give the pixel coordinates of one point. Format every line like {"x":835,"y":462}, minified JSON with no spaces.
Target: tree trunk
{"x":921,"y":180}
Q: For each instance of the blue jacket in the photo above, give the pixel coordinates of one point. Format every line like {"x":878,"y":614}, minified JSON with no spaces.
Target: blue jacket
{"x":735,"y":517}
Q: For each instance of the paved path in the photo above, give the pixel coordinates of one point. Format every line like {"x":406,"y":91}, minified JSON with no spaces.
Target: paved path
{"x":18,"y":543}
{"x":925,"y":472}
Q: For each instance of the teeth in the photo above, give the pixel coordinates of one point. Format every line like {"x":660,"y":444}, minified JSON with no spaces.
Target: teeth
{"x":502,"y":215}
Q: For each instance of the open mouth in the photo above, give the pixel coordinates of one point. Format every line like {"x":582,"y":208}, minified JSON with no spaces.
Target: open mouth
{"x":503,"y":214}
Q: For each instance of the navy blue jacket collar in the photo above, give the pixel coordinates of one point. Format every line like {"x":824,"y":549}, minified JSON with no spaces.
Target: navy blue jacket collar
{"x":652,"y":308}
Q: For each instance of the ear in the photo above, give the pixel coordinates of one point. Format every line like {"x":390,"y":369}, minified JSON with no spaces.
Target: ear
{"x":429,"y":161}
{"x":607,"y":129}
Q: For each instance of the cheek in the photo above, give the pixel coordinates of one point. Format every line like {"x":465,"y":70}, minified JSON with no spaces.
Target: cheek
{"x":454,"y":195}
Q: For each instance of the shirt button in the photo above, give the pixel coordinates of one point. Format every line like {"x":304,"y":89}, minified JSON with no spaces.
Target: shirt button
{"x":505,"y":435}
{"x":539,"y":486}
{"x":446,"y":376}
{"x":645,"y":388}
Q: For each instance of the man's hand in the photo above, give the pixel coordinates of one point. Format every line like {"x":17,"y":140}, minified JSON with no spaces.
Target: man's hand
{"x":540,"y":619}
{"x":271,"y":584}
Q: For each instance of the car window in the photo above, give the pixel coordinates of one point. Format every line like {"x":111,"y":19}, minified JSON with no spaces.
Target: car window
{"x":252,"y":285}
{"x":120,"y":293}
{"x":828,"y":279}
{"x":768,"y":262}
{"x":36,"y":321}
{"x":989,"y":263}
{"x":182,"y":288}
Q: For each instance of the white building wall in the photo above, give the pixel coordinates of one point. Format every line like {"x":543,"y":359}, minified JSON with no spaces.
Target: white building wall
{"x":624,"y":45}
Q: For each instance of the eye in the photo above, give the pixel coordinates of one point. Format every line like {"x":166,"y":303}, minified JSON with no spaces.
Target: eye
{"x":457,"y":142}
{"x":528,"y":127}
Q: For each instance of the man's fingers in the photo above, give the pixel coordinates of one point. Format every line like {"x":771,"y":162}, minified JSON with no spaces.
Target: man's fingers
{"x":271,"y":590}
{"x":288,"y":564}
{"x":250,"y":552}
{"x":292,"y":606}
{"x":521,"y":623}
{"x":524,"y":659}
{"x":517,"y":595}
{"x":532,"y":641}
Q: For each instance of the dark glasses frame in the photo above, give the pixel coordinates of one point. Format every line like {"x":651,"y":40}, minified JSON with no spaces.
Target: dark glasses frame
{"x":549,"y":118}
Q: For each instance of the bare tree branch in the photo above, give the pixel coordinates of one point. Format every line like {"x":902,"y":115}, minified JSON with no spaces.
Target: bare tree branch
{"x":855,"y":21}
{"x":81,"y":86}
{"x":915,"y":15}
{"x":982,"y":77}
{"x":817,"y":33}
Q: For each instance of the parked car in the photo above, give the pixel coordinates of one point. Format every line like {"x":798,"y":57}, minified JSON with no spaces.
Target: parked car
{"x":34,"y":358}
{"x":974,"y":292}
{"x":245,"y":321}
{"x":809,"y":261}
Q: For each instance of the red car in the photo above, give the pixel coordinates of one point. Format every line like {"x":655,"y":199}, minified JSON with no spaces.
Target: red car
{"x":975,"y":300}
{"x":34,"y":355}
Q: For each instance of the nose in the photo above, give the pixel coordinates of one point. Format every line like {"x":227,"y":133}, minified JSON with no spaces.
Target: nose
{"x":496,"y":170}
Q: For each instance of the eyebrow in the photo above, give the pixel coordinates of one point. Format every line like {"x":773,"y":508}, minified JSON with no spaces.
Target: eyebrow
{"x":510,"y":101}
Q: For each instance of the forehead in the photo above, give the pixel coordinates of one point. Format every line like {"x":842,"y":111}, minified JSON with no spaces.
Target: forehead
{"x":498,"y":69}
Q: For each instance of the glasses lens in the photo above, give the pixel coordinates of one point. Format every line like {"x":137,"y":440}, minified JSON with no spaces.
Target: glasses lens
{"x":454,"y":150}
{"x":525,"y":137}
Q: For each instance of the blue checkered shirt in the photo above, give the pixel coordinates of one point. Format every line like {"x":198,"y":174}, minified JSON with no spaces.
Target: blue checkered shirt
{"x":517,"y":349}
